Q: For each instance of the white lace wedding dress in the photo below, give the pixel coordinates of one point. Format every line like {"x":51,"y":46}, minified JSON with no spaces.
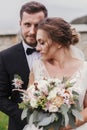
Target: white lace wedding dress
{"x":80,"y":75}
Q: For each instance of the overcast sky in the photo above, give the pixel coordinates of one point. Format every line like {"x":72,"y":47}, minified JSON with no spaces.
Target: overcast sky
{"x":67,"y":9}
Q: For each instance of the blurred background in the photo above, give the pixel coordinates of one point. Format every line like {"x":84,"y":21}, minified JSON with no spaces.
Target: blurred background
{"x":67,"y":9}
{"x":73,"y":11}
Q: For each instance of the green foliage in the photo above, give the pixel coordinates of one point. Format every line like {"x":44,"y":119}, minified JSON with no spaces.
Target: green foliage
{"x":3,"y":121}
{"x":17,"y":76}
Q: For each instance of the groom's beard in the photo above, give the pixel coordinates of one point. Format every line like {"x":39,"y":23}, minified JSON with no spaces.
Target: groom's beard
{"x":30,"y":43}
{"x":30,"y":39}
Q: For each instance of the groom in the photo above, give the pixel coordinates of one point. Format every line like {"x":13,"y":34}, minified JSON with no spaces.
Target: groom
{"x":18,"y":60}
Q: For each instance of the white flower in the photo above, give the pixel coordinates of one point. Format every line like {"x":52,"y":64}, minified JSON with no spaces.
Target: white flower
{"x":52,"y":93}
{"x":60,"y":91}
{"x":42,"y":86}
{"x":31,"y":127}
{"x":25,"y":98}
{"x":17,"y":83}
{"x":50,"y":96}
{"x":53,"y":108}
{"x":33,"y":103}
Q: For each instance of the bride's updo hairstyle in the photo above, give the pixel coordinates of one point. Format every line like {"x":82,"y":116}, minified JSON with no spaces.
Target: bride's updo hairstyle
{"x":75,"y":36}
{"x":58,"y":30}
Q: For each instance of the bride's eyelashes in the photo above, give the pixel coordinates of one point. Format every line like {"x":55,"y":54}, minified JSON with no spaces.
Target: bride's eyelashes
{"x":42,"y":43}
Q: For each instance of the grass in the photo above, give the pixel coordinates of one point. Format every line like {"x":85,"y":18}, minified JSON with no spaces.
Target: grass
{"x":3,"y":121}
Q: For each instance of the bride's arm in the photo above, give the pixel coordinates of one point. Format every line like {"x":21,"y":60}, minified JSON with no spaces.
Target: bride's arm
{"x":31,"y":77}
{"x":84,"y":115}
{"x":85,"y":100}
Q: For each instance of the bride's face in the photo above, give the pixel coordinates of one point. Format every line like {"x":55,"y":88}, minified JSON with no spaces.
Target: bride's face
{"x":45,"y":45}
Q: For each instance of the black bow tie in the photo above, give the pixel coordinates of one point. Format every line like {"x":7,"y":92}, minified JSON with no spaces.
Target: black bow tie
{"x":30,"y":51}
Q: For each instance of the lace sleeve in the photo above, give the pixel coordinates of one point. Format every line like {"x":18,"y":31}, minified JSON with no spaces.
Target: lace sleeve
{"x":39,"y":70}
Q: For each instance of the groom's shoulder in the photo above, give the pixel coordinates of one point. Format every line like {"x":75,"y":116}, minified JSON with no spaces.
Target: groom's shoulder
{"x":11,"y":49}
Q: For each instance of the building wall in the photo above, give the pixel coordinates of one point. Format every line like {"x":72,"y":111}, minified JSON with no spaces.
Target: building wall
{"x":10,"y":39}
{"x":7,"y":41}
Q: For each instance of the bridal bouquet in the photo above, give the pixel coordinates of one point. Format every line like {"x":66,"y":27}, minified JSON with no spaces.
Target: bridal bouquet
{"x":49,"y":103}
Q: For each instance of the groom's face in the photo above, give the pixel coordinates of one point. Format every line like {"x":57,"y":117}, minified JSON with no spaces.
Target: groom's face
{"x":28,"y":24}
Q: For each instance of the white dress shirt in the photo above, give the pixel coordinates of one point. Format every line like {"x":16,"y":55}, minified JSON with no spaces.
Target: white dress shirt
{"x":32,"y":57}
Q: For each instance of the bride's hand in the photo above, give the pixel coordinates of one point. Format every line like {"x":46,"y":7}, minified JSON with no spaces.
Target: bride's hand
{"x":65,"y":128}
{"x":62,"y":129}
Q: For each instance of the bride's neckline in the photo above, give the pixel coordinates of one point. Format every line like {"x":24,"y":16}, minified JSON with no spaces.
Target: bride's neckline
{"x":74,"y":74}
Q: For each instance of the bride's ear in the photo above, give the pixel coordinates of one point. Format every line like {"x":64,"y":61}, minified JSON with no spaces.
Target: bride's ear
{"x":31,"y":78}
{"x":59,"y":46}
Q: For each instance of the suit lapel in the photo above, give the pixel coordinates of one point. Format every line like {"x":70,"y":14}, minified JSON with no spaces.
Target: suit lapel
{"x":22,"y":56}
{"x":24,"y":64}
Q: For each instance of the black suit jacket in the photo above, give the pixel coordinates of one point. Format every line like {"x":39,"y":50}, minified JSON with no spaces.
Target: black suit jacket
{"x":12,"y":61}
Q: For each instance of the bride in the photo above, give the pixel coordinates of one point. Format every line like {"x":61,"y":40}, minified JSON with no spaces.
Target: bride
{"x":54,"y":41}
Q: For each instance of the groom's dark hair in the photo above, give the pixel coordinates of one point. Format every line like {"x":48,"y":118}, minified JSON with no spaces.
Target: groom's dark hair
{"x":33,"y":7}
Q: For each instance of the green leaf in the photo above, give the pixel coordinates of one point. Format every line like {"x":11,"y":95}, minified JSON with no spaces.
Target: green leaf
{"x":77,"y":105}
{"x":71,"y":119}
{"x":47,"y":120}
{"x":56,"y":124}
{"x":33,"y":117}
{"x":64,"y":79}
{"x":77,"y":114}
{"x":21,"y":105}
{"x":41,"y":115}
{"x":68,"y":85}
{"x":75,"y":93}
{"x":29,"y":112}
{"x":65,"y":109}
{"x":66,"y":119}
{"x":24,"y":114}
{"x":17,"y":76}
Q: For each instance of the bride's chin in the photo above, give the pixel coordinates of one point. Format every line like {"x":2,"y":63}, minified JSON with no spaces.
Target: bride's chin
{"x":43,"y":58}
